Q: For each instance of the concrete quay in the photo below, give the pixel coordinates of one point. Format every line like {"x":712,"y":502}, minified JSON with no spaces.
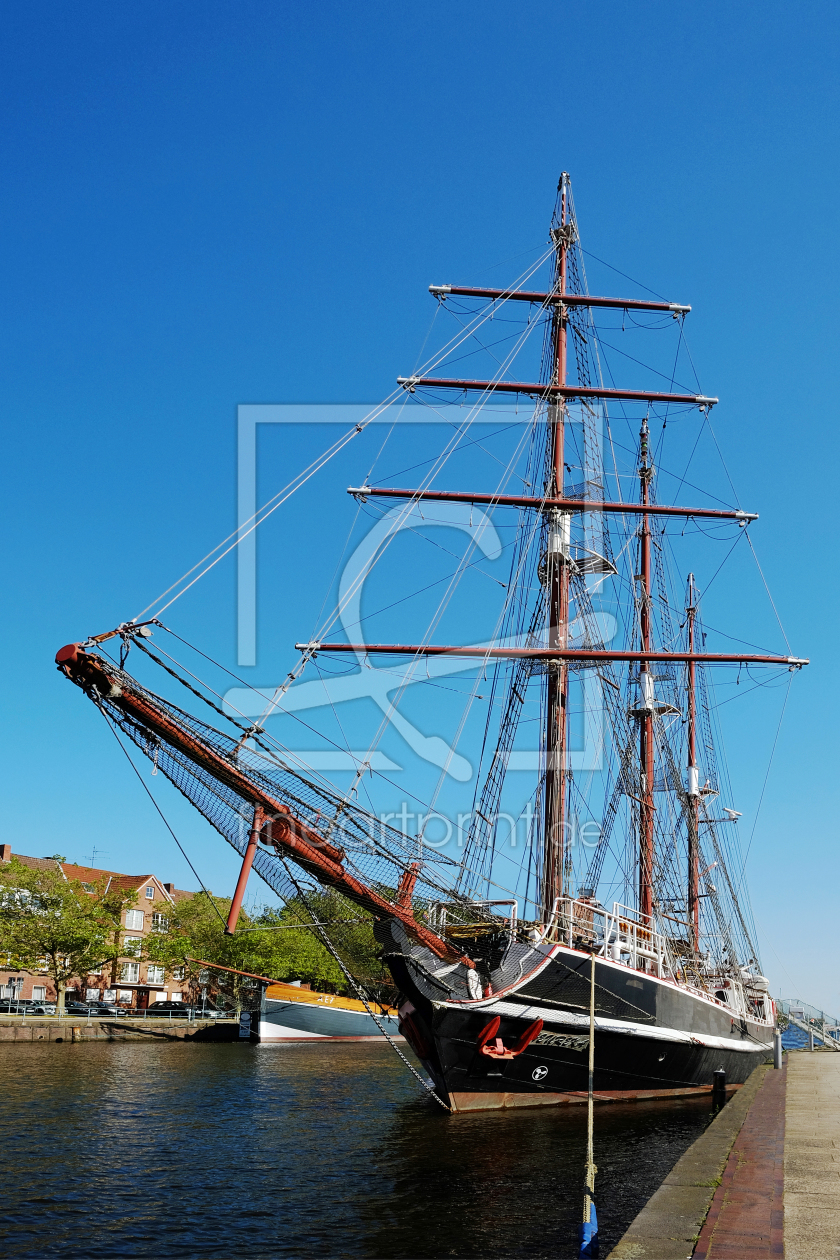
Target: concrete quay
{"x":70,"y":1029}
{"x":762,"y":1181}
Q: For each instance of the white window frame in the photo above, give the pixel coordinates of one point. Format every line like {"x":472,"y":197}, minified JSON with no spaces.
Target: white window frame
{"x":130,"y":973}
{"x":155,"y":973}
{"x":150,"y":892}
{"x":131,"y":917}
{"x":132,"y":946}
{"x":39,"y":992}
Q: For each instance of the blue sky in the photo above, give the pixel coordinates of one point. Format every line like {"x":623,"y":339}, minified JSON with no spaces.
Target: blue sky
{"x":209,"y":205}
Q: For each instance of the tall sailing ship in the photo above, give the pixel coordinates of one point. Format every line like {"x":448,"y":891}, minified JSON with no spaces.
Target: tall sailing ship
{"x":492,"y":961}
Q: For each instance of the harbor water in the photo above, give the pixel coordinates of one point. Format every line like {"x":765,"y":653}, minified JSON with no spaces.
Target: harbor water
{"x":326,"y":1150}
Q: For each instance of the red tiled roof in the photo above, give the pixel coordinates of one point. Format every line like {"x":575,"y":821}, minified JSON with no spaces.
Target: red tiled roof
{"x":93,"y":875}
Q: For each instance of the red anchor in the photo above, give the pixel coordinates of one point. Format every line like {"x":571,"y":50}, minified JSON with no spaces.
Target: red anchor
{"x":498,"y":1049}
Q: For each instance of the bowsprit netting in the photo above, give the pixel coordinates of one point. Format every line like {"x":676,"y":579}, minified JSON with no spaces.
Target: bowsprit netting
{"x":226,"y":780}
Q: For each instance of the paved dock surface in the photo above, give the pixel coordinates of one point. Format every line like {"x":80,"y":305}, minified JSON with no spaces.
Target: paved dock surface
{"x":764,"y":1179}
{"x":812,"y":1156}
{"x":746,"y":1217}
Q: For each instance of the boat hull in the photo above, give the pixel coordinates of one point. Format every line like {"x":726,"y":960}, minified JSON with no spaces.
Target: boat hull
{"x":654,"y":1038}
{"x":291,"y":1014}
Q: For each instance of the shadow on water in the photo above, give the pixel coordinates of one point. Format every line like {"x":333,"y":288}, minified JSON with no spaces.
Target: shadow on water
{"x":300,"y":1150}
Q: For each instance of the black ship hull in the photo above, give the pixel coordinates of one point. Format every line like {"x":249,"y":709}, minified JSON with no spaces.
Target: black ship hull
{"x":654,"y":1037}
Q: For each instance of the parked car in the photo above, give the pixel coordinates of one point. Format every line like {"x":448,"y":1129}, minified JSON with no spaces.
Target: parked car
{"x":107,"y":1008}
{"x":168,"y":1008}
{"x":41,"y":1008}
{"x":210,"y":1012}
{"x":75,"y":1008}
{"x":14,"y":1006}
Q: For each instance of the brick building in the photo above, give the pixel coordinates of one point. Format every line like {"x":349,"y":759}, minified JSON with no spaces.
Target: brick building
{"x":129,"y":981}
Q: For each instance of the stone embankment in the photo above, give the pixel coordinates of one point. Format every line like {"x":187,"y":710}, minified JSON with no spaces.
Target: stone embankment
{"x":762,"y":1181}
{"x":98,"y":1029}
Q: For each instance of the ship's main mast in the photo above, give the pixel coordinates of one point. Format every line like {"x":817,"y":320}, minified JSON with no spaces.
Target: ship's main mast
{"x":646,"y":707}
{"x":557,"y":581}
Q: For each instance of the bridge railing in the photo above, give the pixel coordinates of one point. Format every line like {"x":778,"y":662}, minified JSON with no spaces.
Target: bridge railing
{"x":810,"y":1018}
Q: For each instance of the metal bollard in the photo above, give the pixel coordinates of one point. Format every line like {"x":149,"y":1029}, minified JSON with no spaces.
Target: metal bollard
{"x":719,"y":1085}
{"x":777,"y":1049}
{"x":810,"y":1038}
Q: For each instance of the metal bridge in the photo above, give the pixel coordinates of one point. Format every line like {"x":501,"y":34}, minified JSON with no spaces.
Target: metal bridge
{"x":805,"y":1020}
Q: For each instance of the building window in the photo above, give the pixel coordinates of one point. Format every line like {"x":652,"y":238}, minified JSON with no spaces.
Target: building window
{"x":154,"y":974}
{"x":92,"y":995}
{"x":150,"y":893}
{"x":131,"y":974}
{"x":131,"y":946}
{"x":175,"y":997}
{"x":39,"y":992}
{"x":126,"y":995}
{"x":159,"y":922}
{"x":134,"y":919}
{"x":177,"y":973}
{"x":204,"y":976}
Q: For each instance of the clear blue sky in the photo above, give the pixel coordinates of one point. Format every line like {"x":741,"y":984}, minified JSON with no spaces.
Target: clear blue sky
{"x":210,"y":204}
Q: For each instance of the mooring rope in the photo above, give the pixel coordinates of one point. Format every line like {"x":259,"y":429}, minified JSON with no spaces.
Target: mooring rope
{"x":589,"y":1229}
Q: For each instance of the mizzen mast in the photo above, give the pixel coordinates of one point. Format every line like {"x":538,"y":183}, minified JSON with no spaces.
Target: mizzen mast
{"x":693,"y":784}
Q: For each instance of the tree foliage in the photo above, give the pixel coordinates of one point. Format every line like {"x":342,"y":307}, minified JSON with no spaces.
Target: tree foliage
{"x":281,"y":944}
{"x":48,"y":922}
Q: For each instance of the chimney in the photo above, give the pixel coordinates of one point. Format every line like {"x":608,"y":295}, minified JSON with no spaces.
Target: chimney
{"x":5,"y":853}
{"x":170,"y":888}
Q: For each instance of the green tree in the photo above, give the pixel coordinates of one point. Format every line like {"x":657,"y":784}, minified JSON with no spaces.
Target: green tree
{"x":279,"y":944}
{"x":48,"y":921}
{"x":302,"y":954}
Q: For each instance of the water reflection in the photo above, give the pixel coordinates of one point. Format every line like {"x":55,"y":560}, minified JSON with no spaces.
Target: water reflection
{"x":316,"y":1150}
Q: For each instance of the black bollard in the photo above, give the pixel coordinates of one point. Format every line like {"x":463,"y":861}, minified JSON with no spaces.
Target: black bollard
{"x":719,"y":1085}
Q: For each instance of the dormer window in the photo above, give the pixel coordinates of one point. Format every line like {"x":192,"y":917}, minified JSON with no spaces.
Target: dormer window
{"x":150,"y":893}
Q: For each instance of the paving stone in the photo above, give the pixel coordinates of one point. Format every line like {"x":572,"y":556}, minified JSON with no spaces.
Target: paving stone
{"x":644,"y":1248}
{"x":746,"y":1218}
{"x":812,"y":1183}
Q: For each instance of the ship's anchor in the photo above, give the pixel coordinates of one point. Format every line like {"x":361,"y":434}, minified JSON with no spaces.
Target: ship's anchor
{"x":490,"y":1043}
